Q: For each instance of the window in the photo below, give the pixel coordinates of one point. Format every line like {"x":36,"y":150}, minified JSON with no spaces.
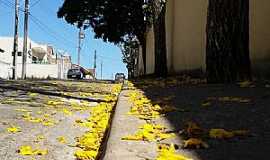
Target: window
{"x":19,"y":53}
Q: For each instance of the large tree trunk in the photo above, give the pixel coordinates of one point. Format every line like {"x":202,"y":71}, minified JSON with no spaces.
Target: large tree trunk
{"x":227,"y":52}
{"x":161,"y":69}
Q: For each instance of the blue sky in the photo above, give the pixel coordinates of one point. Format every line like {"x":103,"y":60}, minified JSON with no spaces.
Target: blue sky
{"x":45,"y":27}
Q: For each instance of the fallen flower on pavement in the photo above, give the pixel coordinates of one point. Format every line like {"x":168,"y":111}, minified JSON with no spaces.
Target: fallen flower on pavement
{"x":150,"y":132}
{"x":195,"y":143}
{"x":97,"y":124}
{"x":193,"y":129}
{"x":169,"y":154}
{"x":223,"y":134}
{"x":13,"y":129}
{"x":22,"y":110}
{"x":220,"y":134}
{"x":85,"y":155}
{"x":62,"y":139}
{"x":206,"y":104}
{"x":67,"y":112}
{"x":28,"y":151}
{"x":246,"y":84}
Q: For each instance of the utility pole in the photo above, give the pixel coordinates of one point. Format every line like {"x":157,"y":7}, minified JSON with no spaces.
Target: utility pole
{"x":101,"y":65}
{"x":15,"y":45}
{"x":81,"y":36}
{"x":24,"y":57}
{"x":95,"y":62}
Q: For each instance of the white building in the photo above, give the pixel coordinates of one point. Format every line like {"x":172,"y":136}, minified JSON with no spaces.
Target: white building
{"x":42,"y":60}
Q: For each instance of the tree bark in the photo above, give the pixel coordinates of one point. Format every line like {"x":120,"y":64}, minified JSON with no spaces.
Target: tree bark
{"x":227,"y":50}
{"x":161,"y":69}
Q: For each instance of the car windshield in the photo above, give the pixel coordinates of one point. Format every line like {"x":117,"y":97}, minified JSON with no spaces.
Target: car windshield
{"x":119,"y":75}
{"x":73,"y":71}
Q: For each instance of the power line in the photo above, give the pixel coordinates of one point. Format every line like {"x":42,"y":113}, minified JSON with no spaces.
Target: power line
{"x":40,"y":24}
{"x":11,"y":5}
{"x":44,"y":29}
{"x":35,"y":3}
{"x":52,"y":31}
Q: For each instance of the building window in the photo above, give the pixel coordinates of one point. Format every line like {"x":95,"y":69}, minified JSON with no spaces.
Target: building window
{"x":19,"y":54}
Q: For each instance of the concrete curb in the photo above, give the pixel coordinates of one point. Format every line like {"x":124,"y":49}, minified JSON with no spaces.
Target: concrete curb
{"x":123,"y":125}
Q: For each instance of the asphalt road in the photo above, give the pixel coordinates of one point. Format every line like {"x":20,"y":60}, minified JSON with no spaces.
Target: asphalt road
{"x":43,"y":120}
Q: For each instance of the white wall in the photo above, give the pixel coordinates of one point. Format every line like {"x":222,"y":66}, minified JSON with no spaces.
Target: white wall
{"x":39,"y":70}
{"x":5,"y":70}
{"x":6,"y":43}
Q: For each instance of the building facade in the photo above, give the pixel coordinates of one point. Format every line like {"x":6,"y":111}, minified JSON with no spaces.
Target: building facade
{"x":42,"y":60}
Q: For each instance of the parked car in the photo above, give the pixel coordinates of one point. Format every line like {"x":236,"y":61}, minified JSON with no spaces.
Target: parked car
{"x":75,"y":74}
{"x":120,"y":77}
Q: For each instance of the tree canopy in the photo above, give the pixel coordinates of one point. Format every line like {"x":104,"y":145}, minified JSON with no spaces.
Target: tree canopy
{"x":111,"y":20}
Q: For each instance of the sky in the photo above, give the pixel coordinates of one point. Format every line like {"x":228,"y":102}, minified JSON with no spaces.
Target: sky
{"x":45,"y":27}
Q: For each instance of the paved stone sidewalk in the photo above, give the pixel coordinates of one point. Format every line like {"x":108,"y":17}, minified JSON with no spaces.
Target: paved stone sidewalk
{"x":123,"y":125}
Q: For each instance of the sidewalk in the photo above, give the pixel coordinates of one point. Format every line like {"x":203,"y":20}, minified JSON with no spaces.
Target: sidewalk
{"x":124,"y":125}
{"x":228,"y":107}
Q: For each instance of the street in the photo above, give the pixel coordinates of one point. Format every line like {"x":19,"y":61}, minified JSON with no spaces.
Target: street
{"x":48,"y":124}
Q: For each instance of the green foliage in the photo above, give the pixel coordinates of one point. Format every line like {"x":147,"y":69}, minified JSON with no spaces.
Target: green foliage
{"x":130,"y":51}
{"x":111,"y":20}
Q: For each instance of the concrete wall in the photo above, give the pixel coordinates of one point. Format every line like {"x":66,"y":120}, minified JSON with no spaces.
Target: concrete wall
{"x":5,"y":70}
{"x":39,"y":70}
{"x":150,"y":50}
{"x":188,"y":38}
{"x":260,"y":37}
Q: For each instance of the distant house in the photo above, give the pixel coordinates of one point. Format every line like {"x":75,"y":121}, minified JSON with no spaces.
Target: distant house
{"x":42,"y":59}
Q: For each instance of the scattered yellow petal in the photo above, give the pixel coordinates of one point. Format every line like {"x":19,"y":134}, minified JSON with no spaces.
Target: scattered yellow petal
{"x":170,"y":154}
{"x":67,"y":112}
{"x":195,"y":143}
{"x":22,"y":110}
{"x":193,"y":129}
{"x":85,"y":155}
{"x":149,"y":132}
{"x":220,"y":134}
{"x":13,"y":129}
{"x":62,"y":139}
{"x":28,"y":151}
{"x":246,"y":84}
{"x":32,"y":94}
{"x":206,"y":104}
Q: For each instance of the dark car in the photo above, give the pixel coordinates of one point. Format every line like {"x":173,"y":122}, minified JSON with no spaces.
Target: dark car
{"x":75,"y":74}
{"x":119,"y":77}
